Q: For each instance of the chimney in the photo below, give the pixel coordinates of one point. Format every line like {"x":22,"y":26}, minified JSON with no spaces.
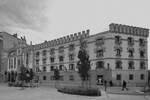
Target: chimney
{"x":15,"y":35}
{"x":30,"y":42}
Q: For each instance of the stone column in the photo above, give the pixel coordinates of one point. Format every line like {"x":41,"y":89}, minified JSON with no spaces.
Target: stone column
{"x":1,"y":50}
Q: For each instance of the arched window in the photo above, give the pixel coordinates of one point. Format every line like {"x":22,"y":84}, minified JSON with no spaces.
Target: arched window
{"x":118,"y":64}
{"x":99,"y":64}
{"x":130,"y":65}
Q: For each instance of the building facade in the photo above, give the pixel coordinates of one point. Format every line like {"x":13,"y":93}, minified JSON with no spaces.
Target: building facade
{"x":7,"y":42}
{"x":117,"y":54}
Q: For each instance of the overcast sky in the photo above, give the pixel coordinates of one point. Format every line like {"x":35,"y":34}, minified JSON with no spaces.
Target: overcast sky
{"x":41,"y":20}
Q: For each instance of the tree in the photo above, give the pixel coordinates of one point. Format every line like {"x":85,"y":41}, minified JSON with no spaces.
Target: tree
{"x":83,"y":63}
{"x":23,"y":75}
{"x":31,"y":73}
{"x":56,"y":75}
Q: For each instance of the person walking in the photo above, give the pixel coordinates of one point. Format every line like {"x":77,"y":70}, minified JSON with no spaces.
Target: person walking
{"x":124,"y":85}
{"x":105,"y":84}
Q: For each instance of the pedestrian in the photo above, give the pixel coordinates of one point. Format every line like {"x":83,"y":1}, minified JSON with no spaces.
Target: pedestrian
{"x":105,"y":84}
{"x":110,"y":83}
{"x":124,"y":85}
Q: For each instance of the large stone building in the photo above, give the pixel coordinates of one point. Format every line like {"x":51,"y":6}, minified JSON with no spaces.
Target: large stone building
{"x":117,"y":54}
{"x":7,"y":42}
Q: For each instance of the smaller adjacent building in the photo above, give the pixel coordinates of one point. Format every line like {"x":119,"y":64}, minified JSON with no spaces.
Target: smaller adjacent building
{"x":7,"y":42}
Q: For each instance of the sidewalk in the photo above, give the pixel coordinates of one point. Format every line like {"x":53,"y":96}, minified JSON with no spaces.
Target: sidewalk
{"x":130,"y":91}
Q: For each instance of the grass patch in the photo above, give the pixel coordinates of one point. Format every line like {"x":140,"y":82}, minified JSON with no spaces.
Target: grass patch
{"x":80,"y":91}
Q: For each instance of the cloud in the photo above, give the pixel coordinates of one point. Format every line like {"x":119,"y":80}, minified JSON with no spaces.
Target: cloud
{"x":24,"y":14}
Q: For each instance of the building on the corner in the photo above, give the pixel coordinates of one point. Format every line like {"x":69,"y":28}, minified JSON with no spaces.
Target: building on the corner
{"x":117,"y":54}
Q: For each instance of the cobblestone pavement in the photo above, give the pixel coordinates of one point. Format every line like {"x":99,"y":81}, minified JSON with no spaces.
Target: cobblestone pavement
{"x":47,"y":93}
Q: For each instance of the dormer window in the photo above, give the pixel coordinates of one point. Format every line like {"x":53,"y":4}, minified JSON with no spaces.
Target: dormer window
{"x":61,"y":49}
{"x":99,"y":41}
{"x":52,"y":51}
{"x":118,"y":40}
{"x":130,"y":41}
{"x":71,"y":47}
{"x":141,"y":42}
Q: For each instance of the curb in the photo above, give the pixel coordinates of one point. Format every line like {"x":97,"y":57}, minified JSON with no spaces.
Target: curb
{"x":128,"y":93}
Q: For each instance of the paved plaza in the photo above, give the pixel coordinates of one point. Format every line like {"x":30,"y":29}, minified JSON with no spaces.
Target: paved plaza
{"x":48,"y":93}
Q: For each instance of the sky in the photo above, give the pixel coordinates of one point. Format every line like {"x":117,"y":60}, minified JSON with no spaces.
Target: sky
{"x":41,"y":20}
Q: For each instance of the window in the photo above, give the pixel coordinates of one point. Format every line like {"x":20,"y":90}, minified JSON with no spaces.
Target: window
{"x":52,"y":59}
{"x":118,"y":40}
{"x":44,"y":69}
{"x":99,"y":64}
{"x":71,"y":57}
{"x":37,"y":69}
{"x":99,"y":41}
{"x":71,"y":47}
{"x":142,"y":65}
{"x":118,"y":52}
{"x":61,"y":78}
{"x":44,"y":52}
{"x":19,"y":62}
{"x":61,"y":67}
{"x":118,"y":65}
{"x":71,"y":77}
{"x":14,"y":62}
{"x":141,"y":42}
{"x":27,"y":58}
{"x":130,"y":41}
{"x":61,"y":58}
{"x":44,"y":61}
{"x":52,"y":51}
{"x":37,"y":62}
{"x":52,"y":68}
{"x":71,"y":66}
{"x":44,"y":77}
{"x":130,"y":53}
{"x":61,"y":49}
{"x":52,"y":78}
{"x":130,"y":65}
{"x":142,"y":54}
{"x":118,"y":77}
{"x":37,"y":54}
{"x":99,"y":53}
{"x":142,"y":77}
{"x":131,"y":77}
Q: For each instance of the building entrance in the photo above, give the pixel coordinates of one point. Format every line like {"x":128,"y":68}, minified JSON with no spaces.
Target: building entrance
{"x":100,"y":79}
